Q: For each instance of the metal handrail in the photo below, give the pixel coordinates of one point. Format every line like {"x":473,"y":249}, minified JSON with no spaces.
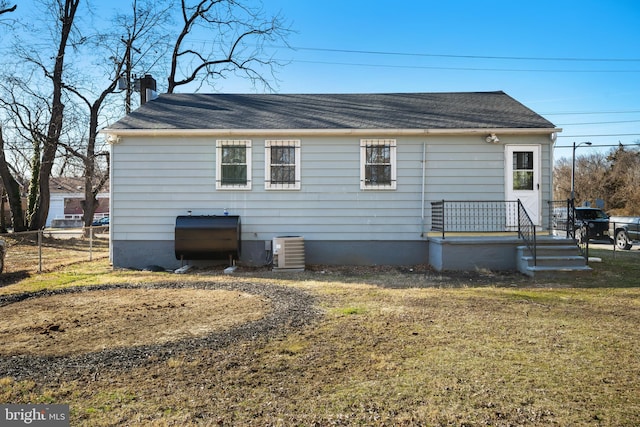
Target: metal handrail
{"x":487,"y":216}
{"x":527,"y":231}
{"x":562,"y":217}
{"x":437,"y":216}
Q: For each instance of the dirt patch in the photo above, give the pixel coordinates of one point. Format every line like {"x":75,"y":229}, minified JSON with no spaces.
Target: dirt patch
{"x":75,"y":323}
{"x":393,"y":277}
{"x":69,"y":333}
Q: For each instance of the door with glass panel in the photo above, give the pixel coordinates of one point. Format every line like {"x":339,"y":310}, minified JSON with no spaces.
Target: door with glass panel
{"x":523,"y":180}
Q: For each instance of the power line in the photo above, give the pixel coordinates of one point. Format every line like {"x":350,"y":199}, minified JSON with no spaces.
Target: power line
{"x":600,"y":145}
{"x":588,"y":136}
{"x":598,"y":123}
{"x":590,"y":112}
{"x":436,"y":55}
{"x":422,"y":67}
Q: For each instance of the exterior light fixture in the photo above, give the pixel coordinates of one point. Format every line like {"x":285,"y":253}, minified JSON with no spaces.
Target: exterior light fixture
{"x":492,"y":139}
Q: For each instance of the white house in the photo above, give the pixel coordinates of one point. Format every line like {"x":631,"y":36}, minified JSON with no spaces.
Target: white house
{"x":354,"y":175}
{"x":66,"y":195}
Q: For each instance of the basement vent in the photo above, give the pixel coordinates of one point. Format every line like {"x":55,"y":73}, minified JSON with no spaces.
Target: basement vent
{"x":288,"y":253}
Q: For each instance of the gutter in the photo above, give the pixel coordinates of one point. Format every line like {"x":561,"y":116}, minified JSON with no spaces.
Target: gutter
{"x":114,"y":134}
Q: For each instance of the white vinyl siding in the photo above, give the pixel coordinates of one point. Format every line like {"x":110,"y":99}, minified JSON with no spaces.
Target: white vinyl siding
{"x":233,"y":164}
{"x":282,"y":165}
{"x":457,"y":169}
{"x":155,"y":179}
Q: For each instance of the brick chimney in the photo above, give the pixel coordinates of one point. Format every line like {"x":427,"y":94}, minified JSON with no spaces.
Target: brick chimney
{"x":147,"y":86}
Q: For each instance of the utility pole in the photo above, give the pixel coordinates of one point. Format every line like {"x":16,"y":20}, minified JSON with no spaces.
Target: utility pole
{"x":127,"y":74}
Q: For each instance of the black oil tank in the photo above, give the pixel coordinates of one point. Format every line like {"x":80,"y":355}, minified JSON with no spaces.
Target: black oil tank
{"x":207,"y":237}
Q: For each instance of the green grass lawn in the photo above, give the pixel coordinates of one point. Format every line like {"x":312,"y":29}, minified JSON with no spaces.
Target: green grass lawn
{"x":396,"y":347}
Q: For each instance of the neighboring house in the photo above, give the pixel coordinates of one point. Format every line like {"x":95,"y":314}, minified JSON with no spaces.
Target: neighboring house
{"x":67,"y":195}
{"x":353,"y":174}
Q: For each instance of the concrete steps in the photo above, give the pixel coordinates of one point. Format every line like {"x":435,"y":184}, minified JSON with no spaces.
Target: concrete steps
{"x":554,"y":257}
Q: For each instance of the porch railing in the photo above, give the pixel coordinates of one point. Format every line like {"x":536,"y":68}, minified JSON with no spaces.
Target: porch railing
{"x":527,"y":231}
{"x":562,"y":218}
{"x":482,"y":216}
{"x":474,"y":216}
{"x":563,"y":222}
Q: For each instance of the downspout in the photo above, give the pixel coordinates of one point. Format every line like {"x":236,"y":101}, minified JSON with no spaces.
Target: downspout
{"x":424,"y":172}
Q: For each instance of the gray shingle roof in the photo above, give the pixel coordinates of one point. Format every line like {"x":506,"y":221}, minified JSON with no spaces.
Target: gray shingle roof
{"x":464,"y":110}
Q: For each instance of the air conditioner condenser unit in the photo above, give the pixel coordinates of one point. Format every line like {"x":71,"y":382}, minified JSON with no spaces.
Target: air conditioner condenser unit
{"x":288,"y":253}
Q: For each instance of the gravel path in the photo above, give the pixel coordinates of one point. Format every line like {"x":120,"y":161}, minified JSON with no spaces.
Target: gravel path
{"x":291,"y":308}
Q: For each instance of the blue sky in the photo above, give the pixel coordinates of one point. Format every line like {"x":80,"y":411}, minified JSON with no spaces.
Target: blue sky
{"x":584,"y":56}
{"x":576,"y":62}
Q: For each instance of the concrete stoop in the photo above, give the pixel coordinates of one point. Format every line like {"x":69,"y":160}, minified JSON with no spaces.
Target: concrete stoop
{"x":556,"y":257}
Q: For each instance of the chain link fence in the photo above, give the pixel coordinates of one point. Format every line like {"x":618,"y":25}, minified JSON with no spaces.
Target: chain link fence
{"x":44,"y":250}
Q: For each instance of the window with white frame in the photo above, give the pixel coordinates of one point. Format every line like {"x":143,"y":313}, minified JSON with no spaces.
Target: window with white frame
{"x":233,"y":164}
{"x":282,"y":165}
{"x":378,"y":164}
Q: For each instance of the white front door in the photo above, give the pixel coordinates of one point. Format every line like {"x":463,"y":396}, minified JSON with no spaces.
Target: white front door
{"x":523,"y":178}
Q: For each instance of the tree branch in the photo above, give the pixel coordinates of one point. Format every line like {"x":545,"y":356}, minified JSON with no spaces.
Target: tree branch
{"x":11,"y":9}
{"x":230,"y":24}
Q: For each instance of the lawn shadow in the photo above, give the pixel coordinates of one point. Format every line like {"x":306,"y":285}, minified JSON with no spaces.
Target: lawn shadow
{"x":14,"y":277}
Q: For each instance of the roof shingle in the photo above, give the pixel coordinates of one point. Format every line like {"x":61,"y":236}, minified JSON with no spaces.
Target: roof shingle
{"x":461,"y":110}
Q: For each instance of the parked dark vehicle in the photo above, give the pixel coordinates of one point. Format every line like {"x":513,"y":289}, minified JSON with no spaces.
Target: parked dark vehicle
{"x":625,"y":231}
{"x":593,"y":219}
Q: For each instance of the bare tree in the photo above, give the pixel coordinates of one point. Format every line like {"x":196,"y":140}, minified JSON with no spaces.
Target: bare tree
{"x":28,"y":113}
{"x":140,"y":26}
{"x":12,"y":188}
{"x":236,"y":34}
{"x":57,"y":104}
{"x":589,"y":177}
{"x":6,"y":191}
{"x":43,"y":108}
{"x":612,"y":177}
{"x":562,"y":179}
{"x":5,"y":8}
{"x":622,"y":181}
{"x":67,"y":12}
